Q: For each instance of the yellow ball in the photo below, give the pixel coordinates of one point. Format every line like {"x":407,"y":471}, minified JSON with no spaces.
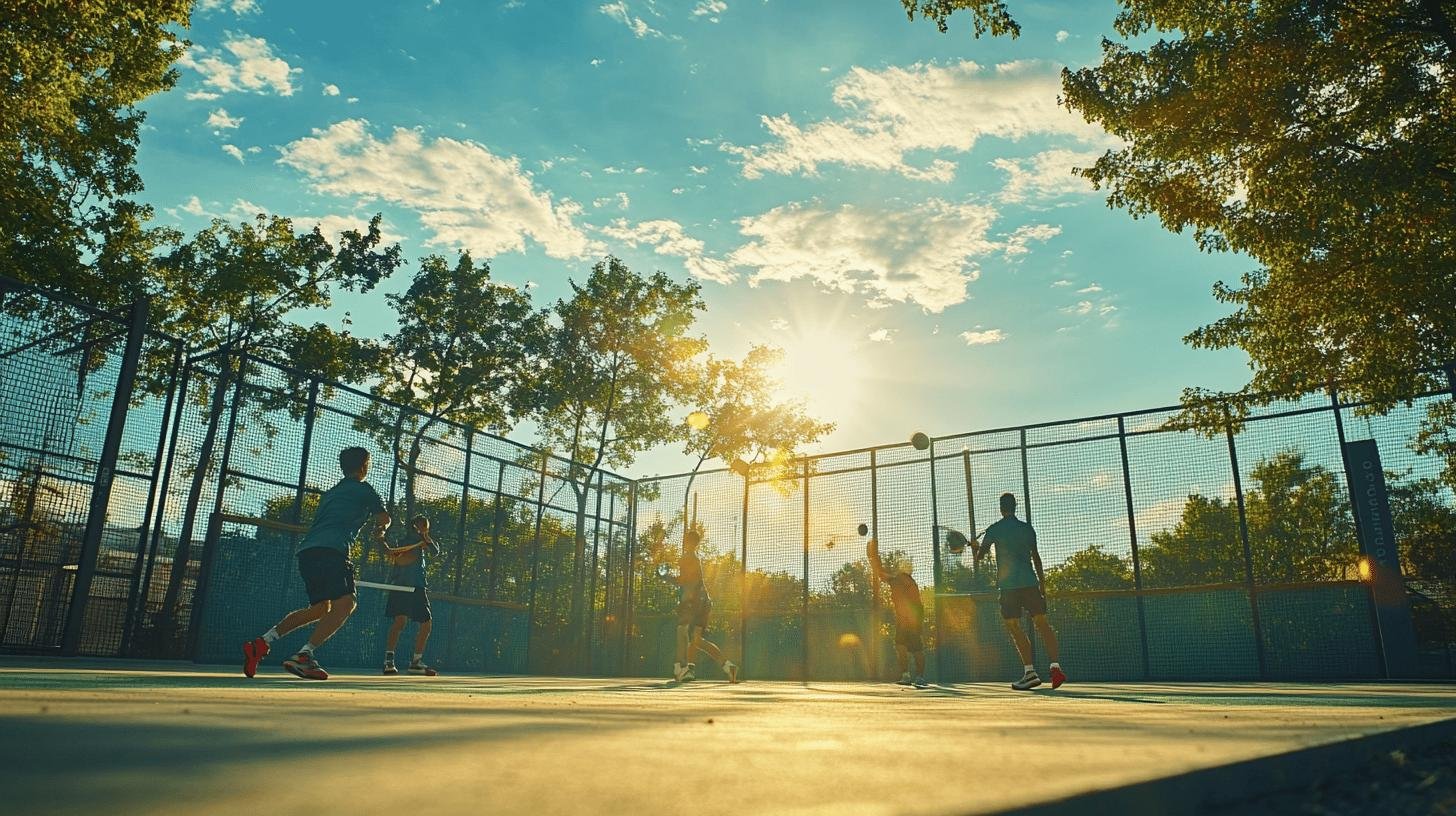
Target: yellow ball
{"x":697,"y":420}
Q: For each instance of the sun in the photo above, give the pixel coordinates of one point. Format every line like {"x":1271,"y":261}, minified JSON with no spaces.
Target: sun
{"x":821,"y":366}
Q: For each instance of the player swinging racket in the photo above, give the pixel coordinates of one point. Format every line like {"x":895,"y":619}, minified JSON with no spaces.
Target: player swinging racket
{"x":693,"y":609}
{"x":408,"y":569}
{"x":909,"y":614}
{"x":1022,"y":583}
{"x":323,"y":563}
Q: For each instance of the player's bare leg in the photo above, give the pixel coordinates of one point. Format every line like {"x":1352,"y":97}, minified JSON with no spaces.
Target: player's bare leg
{"x":256,"y":649}
{"x":714,"y":653}
{"x":391,"y":641}
{"x":1049,"y":639}
{"x":422,"y":637}
{"x":339,"y":611}
{"x":902,"y":658}
{"x":1029,"y":678}
{"x":417,"y":663}
{"x":680,"y":666}
{"x":920,"y":668}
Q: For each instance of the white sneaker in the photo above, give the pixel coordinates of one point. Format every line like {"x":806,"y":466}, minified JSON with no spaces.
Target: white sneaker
{"x":731,"y":669}
{"x":1030,"y":680}
{"x":689,"y":676}
{"x":904,"y":679}
{"x":678,"y":670}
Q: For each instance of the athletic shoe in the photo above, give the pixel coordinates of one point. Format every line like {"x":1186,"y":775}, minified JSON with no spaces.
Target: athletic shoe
{"x":389,"y":668}
{"x":1030,"y":680}
{"x":731,"y":669}
{"x":678,"y":670}
{"x":253,"y":653}
{"x":303,"y":665}
{"x":1058,"y":678}
{"x":420,"y":668}
{"x":904,"y":680}
{"x":920,"y":683}
{"x":688,"y":675}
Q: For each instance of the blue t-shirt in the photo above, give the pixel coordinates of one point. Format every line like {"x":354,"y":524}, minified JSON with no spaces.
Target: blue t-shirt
{"x":1015,"y":541}
{"x":410,"y":573}
{"x":342,"y":512}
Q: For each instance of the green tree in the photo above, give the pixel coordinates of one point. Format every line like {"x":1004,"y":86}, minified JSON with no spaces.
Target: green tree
{"x":1300,"y":527}
{"x":1425,"y":528}
{"x":69,"y":127}
{"x":464,"y":353}
{"x":621,"y":356}
{"x":1202,"y":548}
{"x":1091,"y":569}
{"x":1319,"y":139}
{"x":745,"y":424}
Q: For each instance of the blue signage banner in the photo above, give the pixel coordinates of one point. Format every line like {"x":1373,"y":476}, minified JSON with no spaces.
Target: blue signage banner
{"x":1376,"y":527}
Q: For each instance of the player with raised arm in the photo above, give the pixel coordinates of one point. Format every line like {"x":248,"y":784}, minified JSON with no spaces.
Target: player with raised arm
{"x":694,"y":607}
{"x":408,"y":569}
{"x":324,"y":565}
{"x":909,"y":614}
{"x":1022,"y":582}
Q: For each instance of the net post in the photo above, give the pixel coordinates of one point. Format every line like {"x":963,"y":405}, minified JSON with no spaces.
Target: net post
{"x":460,"y":538}
{"x":1252,"y":589}
{"x":158,"y":532}
{"x":1026,"y":509}
{"x":493,"y":577}
{"x":589,"y":606}
{"x":105,"y":475}
{"x":1137,"y":568}
{"x":629,"y":616}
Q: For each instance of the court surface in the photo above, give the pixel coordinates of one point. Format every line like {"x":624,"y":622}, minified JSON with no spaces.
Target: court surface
{"x":119,"y":737}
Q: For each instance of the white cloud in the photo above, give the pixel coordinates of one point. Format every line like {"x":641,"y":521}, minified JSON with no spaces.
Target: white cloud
{"x":238,"y":7}
{"x":194,"y":207}
{"x":204,"y":95}
{"x":220,"y":120}
{"x":234,"y":151}
{"x":596,"y":62}
{"x":1062,"y":282}
{"x":923,"y":254}
{"x":1063,"y":35}
{"x":1087,"y":290}
{"x":1046,"y":175}
{"x":331,"y":89}
{"x":618,"y":11}
{"x":882,"y":335}
{"x":1081,"y":307}
{"x":894,"y":112}
{"x":351,"y":100}
{"x":679,"y":190}
{"x":465,"y":195}
{"x":698,"y":170}
{"x":983,"y":338}
{"x":620,"y":199}
{"x":1016,"y":243}
{"x":668,"y":238}
{"x":256,"y":69}
{"x":778,"y":324}
{"x":710,"y":9}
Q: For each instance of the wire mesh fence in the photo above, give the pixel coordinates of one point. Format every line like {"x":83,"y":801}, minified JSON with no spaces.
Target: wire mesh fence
{"x":1168,"y":554}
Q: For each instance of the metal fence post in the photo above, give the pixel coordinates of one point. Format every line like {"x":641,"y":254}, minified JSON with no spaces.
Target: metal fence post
{"x":743,"y":580}
{"x":1026,"y":510}
{"x":629,"y":614}
{"x":1137,"y":567}
{"x":460,"y":538}
{"x":309,"y":411}
{"x":105,"y":474}
{"x":587,"y":624}
{"x":875,"y":614}
{"x":158,"y":532}
{"x":970,"y":506}
{"x":211,"y":542}
{"x":936,"y":569}
{"x":493,"y":577}
{"x":536,"y":557}
{"x":135,"y":604}
{"x":804,"y":629}
{"x":1248,"y":551}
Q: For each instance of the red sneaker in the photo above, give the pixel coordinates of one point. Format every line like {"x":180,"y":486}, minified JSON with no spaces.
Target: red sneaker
{"x":1058,"y":677}
{"x":253,"y":653}
{"x":303,"y":665}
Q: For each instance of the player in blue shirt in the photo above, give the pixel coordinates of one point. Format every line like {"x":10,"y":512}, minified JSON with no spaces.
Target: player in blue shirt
{"x":408,"y":569}
{"x":324,"y":565}
{"x":1022,"y":583}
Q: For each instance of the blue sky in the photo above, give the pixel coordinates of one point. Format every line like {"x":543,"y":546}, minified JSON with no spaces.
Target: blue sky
{"x":890,"y":205}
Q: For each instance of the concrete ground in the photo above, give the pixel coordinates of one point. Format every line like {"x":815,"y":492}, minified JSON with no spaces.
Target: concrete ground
{"x":83,"y":737}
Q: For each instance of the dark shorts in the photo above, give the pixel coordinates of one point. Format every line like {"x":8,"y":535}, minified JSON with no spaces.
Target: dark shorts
{"x":413,"y":605}
{"x":694,"y":611}
{"x":1013,"y":601}
{"x":908,"y":638}
{"x":327,"y":574}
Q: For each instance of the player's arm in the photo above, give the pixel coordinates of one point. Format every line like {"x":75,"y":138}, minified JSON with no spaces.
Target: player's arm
{"x":1036,"y":563}
{"x":428,"y":542}
{"x":872,"y":549}
{"x":983,"y":549}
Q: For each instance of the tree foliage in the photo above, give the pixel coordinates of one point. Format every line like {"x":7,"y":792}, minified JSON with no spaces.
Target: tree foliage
{"x":987,"y":16}
{"x":72,"y":75}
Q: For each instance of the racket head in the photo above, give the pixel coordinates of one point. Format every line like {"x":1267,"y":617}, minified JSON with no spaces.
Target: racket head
{"x":863,"y":529}
{"x":920,"y":440}
{"x":956,"y":541}
{"x":664,"y":571}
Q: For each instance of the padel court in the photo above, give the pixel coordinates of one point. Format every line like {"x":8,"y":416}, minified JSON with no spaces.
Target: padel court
{"x":160,"y":737}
